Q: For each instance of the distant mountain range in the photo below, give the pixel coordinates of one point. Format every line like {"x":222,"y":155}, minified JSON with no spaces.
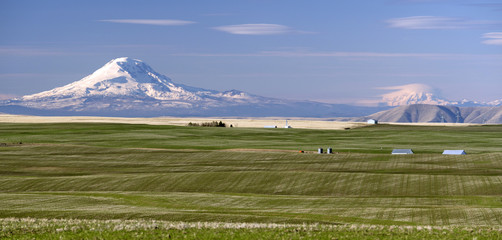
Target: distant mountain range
{"x":437,"y":113}
{"x":421,"y":103}
{"x":129,"y":87}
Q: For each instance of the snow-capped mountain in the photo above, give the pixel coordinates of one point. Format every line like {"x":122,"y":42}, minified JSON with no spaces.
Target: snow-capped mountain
{"x":424,"y":94}
{"x":124,"y":83}
{"x":422,"y":103}
{"x":129,"y":87}
{"x":412,"y":94}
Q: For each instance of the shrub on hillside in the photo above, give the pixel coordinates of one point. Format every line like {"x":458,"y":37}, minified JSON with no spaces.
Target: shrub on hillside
{"x":207,"y":124}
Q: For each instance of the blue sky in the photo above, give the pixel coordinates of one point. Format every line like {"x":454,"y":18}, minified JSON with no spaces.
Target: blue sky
{"x":333,"y":51}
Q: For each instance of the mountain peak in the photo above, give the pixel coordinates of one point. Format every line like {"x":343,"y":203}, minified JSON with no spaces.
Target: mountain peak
{"x":412,"y":94}
{"x":129,"y":64}
{"x":119,"y":77}
{"x":124,"y":59}
{"x":128,"y":67}
{"x":124,"y":83}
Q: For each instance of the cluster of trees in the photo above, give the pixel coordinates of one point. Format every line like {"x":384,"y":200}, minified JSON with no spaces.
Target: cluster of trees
{"x":207,"y":124}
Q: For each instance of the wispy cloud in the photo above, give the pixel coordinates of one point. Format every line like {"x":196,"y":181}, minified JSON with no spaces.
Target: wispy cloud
{"x":217,"y":14}
{"x":159,"y":22}
{"x":19,"y":75}
{"x":337,"y":54}
{"x":413,"y":87}
{"x":346,"y":54}
{"x":493,"y":38}
{"x":27,"y":51}
{"x":493,"y":6}
{"x":435,"y":22}
{"x":417,"y":1}
{"x":7,"y":96}
{"x":256,"y":29}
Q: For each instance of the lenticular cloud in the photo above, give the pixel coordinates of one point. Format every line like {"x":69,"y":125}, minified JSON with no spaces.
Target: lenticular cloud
{"x":493,"y":38}
{"x":255,"y":29}
{"x":162,"y":22}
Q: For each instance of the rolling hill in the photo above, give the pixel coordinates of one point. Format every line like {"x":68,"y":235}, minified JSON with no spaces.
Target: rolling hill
{"x":437,"y":113}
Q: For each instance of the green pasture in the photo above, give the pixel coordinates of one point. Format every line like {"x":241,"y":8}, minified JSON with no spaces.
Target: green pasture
{"x":193,"y":174}
{"x":371,"y":139}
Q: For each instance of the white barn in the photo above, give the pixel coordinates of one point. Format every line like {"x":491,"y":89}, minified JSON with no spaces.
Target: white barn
{"x":372,"y":121}
{"x":454,"y":152}
{"x":402,"y":151}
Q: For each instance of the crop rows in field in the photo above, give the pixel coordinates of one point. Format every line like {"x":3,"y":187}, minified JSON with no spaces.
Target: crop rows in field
{"x":110,"y":171}
{"x":471,"y":211}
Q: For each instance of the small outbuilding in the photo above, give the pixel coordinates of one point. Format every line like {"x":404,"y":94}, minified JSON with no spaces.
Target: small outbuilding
{"x":454,"y":152}
{"x":402,"y":151}
{"x":372,"y":121}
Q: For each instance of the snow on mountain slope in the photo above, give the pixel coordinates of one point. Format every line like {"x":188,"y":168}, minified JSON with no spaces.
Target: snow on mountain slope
{"x":412,"y":94}
{"x":125,"y":82}
{"x":424,"y":94}
{"x":496,"y":102}
{"x":119,"y":77}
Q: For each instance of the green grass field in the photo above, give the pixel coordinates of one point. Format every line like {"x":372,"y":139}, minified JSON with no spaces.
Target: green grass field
{"x":196,"y":174}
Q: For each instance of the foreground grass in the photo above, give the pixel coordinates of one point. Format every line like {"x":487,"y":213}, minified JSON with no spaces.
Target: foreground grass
{"x":27,"y":228}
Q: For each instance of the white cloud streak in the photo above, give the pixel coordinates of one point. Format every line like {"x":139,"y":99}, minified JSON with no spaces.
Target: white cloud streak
{"x":493,"y":38}
{"x":339,"y":54}
{"x":19,"y":75}
{"x":7,"y":96}
{"x":255,"y":29}
{"x":159,"y":22}
{"x":21,"y":51}
{"x":434,"y":22}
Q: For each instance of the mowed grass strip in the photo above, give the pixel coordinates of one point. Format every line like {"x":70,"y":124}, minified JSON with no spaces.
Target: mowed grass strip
{"x":466,"y":211}
{"x":285,"y":183}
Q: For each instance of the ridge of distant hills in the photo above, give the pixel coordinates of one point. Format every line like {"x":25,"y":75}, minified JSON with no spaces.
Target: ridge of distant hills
{"x":437,"y":113}
{"x":128,"y":87}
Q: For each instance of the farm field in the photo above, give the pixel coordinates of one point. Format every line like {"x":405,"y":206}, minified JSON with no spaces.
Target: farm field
{"x":175,"y":174}
{"x":313,"y":123}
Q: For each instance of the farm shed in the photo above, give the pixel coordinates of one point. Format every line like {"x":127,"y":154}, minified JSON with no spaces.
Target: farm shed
{"x":402,"y":151}
{"x":454,"y":152}
{"x":372,"y":121}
